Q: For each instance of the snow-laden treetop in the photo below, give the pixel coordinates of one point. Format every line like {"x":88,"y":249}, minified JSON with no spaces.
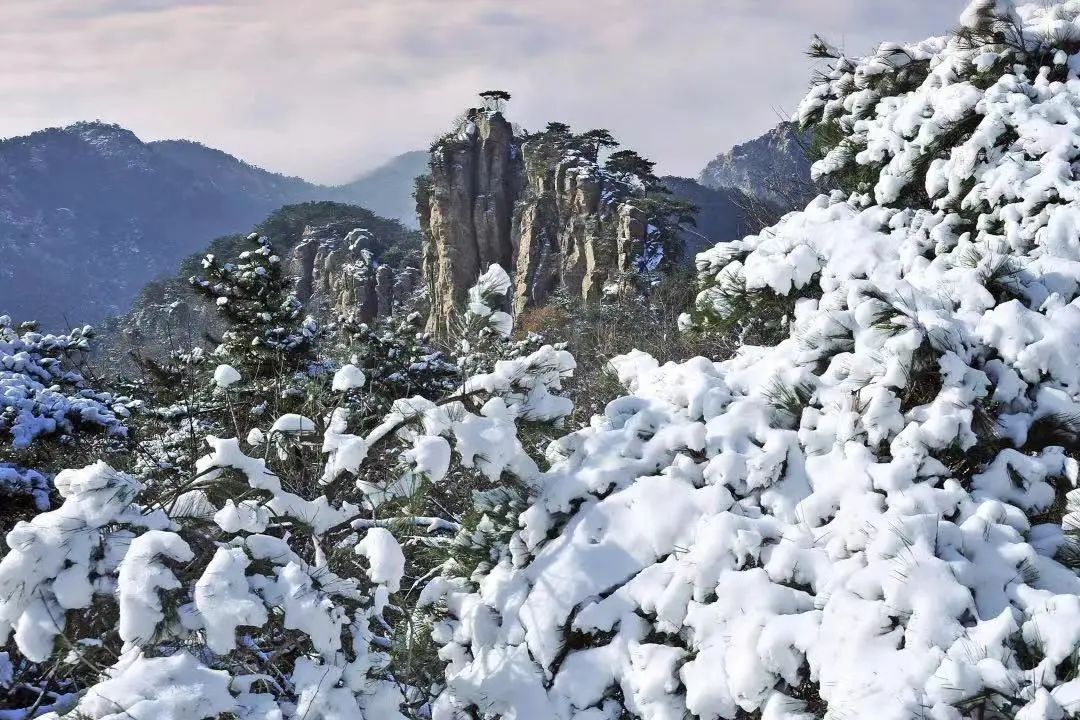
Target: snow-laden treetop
{"x":864,"y":513}
{"x":982,"y":122}
{"x":43,"y":393}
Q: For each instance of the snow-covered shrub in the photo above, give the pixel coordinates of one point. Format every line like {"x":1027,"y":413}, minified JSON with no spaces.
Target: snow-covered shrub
{"x":50,"y":413}
{"x":398,"y":359}
{"x":276,"y":578}
{"x":866,"y":512}
{"x":267,"y":363}
{"x":42,"y":391}
{"x":598,"y":331}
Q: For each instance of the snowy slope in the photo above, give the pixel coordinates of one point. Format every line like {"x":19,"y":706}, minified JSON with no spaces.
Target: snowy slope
{"x":866,"y":518}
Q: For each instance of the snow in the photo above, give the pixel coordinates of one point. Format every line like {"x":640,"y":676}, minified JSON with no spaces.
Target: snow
{"x":6,"y":670}
{"x":492,"y":284}
{"x":307,"y":607}
{"x":141,"y":577}
{"x":385,"y":559}
{"x":226,"y":376}
{"x":318,"y":513}
{"x":224,"y":600}
{"x":346,"y":451}
{"x":349,"y":377}
{"x":292,"y":423}
{"x":247,"y":516}
{"x":526,"y":384}
{"x":41,"y":394}
{"x":23,"y":481}
{"x":711,"y":547}
{"x":176,"y":687}
{"x":430,"y":456}
{"x":872,"y":513}
{"x":47,"y":569}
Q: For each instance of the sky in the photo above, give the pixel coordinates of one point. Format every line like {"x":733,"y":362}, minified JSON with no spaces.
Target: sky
{"x":326,"y":89}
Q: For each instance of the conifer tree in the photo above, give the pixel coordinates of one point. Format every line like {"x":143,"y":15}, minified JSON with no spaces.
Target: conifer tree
{"x":267,"y":328}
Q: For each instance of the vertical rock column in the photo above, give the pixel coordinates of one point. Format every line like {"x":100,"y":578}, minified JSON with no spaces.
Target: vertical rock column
{"x":570,"y":234}
{"x":466,"y":209}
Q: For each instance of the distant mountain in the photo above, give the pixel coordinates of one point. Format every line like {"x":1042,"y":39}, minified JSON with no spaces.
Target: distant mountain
{"x":747,"y":187}
{"x":773,"y":168}
{"x":388,"y":189}
{"x":719,"y":218}
{"x":89,"y":213}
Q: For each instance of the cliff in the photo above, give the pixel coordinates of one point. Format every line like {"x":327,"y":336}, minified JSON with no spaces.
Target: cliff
{"x":337,"y":275}
{"x":571,"y":231}
{"x":347,"y":262}
{"x":540,"y":205}
{"x":466,"y":207}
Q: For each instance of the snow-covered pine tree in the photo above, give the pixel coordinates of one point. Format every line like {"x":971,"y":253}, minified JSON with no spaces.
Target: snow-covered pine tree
{"x":50,"y":413}
{"x":47,"y":408}
{"x":268,"y":362}
{"x":398,"y":358}
{"x":864,"y":513}
{"x":268,"y":331}
{"x":270,"y":584}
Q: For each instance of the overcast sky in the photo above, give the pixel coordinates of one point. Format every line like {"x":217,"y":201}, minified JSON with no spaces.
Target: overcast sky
{"x":327,"y":88}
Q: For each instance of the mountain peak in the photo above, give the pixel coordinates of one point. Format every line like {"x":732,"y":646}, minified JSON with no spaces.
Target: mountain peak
{"x":766,"y":167}
{"x":91,"y":200}
{"x":100,"y":133}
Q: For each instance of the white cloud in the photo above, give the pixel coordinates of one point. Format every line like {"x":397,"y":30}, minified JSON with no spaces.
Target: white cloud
{"x":323,"y":88}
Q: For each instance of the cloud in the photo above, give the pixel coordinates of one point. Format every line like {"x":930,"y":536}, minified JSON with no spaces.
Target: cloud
{"x":325,"y":88}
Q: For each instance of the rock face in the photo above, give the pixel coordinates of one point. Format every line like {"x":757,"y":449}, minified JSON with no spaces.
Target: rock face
{"x":466,"y":208}
{"x":336,"y":252}
{"x":553,"y":221}
{"x":338,"y":276}
{"x":568,"y":234}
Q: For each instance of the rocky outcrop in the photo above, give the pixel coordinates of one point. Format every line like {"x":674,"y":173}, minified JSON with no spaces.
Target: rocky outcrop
{"x":336,"y":267}
{"x":337,"y":276}
{"x":570,"y":234}
{"x":466,"y":207}
{"x":407,"y":289}
{"x":545,"y":212}
{"x":384,"y":290}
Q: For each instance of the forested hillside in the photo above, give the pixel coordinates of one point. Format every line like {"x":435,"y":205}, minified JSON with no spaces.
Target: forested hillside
{"x":90,"y":213}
